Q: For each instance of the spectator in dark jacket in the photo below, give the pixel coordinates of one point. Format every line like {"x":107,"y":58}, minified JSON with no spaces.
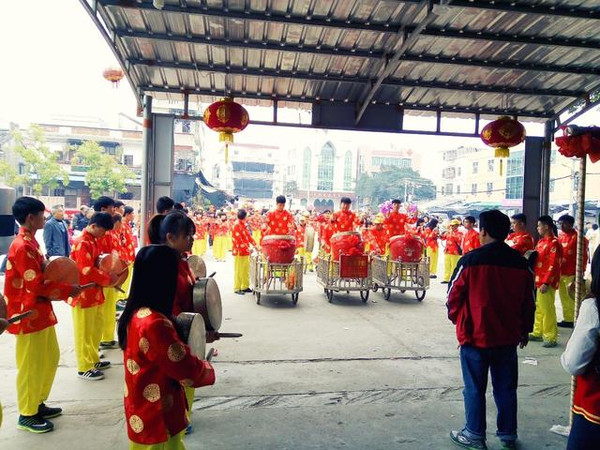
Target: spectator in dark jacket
{"x":56,"y":234}
{"x":80,"y":220}
{"x":492,"y":302}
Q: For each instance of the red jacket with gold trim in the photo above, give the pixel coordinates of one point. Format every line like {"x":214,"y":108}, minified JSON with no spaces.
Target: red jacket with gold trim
{"x":85,"y":252}
{"x":547,"y":266}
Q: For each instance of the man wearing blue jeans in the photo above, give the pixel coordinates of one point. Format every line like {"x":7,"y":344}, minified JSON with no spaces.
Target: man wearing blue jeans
{"x":491,"y":300}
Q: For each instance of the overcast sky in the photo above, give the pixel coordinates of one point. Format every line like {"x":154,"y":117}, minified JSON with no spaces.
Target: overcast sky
{"x":52,"y":58}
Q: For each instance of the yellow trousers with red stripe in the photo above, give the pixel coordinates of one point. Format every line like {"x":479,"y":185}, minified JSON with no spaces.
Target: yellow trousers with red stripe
{"x":567,"y":302}
{"x":111,"y":295}
{"x":37,"y":360}
{"x":219,"y":247}
{"x":87,"y":326}
{"x":241,"y":273}
{"x":173,"y":443}
{"x":545,"y":316}
{"x":450,"y":262}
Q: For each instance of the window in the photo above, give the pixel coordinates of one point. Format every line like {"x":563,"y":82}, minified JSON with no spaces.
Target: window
{"x":443,"y":190}
{"x":458,"y":189}
{"x":552,"y":185}
{"x":514,"y":175}
{"x":348,"y":171}
{"x":128,"y":160}
{"x":474,"y":188}
{"x":325,"y":172}
{"x":475,"y":166}
{"x":306,"y":168}
{"x":490,"y":188}
{"x":458,"y":171}
{"x":449,"y":189}
{"x":385,"y":161}
{"x":490,"y":165}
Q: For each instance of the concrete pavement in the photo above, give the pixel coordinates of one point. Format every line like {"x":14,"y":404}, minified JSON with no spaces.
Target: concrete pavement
{"x":346,"y":375}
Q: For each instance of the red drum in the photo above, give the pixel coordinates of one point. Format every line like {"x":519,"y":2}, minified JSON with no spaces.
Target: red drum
{"x":347,"y":243}
{"x":61,"y":269}
{"x":279,"y":249}
{"x":113,"y":265}
{"x":406,"y":248}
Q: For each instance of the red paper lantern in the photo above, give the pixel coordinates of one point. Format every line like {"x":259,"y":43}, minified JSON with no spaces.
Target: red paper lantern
{"x":501,"y":134}
{"x":114,"y":75}
{"x":226,"y":117}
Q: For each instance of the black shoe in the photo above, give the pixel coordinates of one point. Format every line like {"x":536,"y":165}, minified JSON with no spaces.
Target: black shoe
{"x":46,"y":412}
{"x":565,"y":324}
{"x":101,"y":365}
{"x":443,"y":282}
{"x":240,"y":292}
{"x":432,"y":276}
{"x":108,"y":345}
{"x":91,"y":375}
{"x":247,"y":290}
{"x":35,"y":424}
{"x":121,"y":305}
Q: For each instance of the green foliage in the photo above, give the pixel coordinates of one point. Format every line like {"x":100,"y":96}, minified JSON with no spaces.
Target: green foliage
{"x":391,"y":183}
{"x":290,"y":188}
{"x":104,"y":172}
{"x":594,"y":97}
{"x":41,"y":168}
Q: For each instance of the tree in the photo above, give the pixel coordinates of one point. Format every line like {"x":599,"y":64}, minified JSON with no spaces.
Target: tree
{"x":39,"y":166}
{"x":394,"y":182}
{"x":104,"y":172}
{"x":290,"y":188}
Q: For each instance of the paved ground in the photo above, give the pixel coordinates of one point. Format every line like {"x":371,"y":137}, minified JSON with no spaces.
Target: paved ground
{"x":347,"y":375}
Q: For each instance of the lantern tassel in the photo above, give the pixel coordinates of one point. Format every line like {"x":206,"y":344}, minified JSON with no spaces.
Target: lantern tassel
{"x":226,"y":153}
{"x":501,"y":170}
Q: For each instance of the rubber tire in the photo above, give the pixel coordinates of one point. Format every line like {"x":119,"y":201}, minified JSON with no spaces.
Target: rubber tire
{"x":387,"y":293}
{"x":420,"y":295}
{"x":258,"y":298}
{"x":295,"y":298}
{"x":364,"y":295}
{"x":330,"y":295}
{"x":375,"y":287}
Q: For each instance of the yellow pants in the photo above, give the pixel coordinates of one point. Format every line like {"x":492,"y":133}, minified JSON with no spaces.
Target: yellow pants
{"x":37,"y":361}
{"x":189,"y":397}
{"x":256,"y":235}
{"x":545,"y":316}
{"x":126,"y":284}
{"x":241,"y":273}
{"x":219,"y":247}
{"x":568,"y":302}
{"x":450,"y":262}
{"x":111,"y":295}
{"x":199,"y":247}
{"x":87,"y":325}
{"x":228,"y":243}
{"x":433,"y":261}
{"x":308,"y":262}
{"x":174,"y":443}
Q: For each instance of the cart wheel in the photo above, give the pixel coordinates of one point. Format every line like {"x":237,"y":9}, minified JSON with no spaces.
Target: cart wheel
{"x":330,"y":295}
{"x":295,"y":298}
{"x":387,"y":293}
{"x":364,"y":295}
{"x":421,"y":281}
{"x":258,"y":298}
{"x":375,"y":287}
{"x":403,"y":291}
{"x":420,"y":295}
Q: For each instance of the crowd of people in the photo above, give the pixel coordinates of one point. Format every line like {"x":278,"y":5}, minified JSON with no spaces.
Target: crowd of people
{"x":492,"y":316}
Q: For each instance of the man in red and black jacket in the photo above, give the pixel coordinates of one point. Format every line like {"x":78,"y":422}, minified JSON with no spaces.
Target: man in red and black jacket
{"x":492,"y":317}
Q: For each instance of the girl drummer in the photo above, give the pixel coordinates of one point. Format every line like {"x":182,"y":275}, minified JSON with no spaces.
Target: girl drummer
{"x":158,"y":363}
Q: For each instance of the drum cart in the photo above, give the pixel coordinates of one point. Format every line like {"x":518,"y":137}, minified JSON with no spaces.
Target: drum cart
{"x":349,"y":273}
{"x":275,"y":279}
{"x":389,"y":274}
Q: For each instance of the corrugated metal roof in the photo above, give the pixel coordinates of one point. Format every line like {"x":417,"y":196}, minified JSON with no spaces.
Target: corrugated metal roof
{"x":531,"y":58}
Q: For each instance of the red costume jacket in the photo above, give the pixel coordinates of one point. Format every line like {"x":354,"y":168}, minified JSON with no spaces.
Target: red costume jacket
{"x":547,"y":266}
{"x":279,"y":222}
{"x":299,"y":235}
{"x":431,"y":238}
{"x":242,"y":240}
{"x":521,"y":242}
{"x":219,"y":229}
{"x":127,"y":250}
{"x":158,"y":365}
{"x":377,"y":240}
{"x":470,"y":241}
{"x":325,"y":233}
{"x":185,"y":286}
{"x":85,"y":252}
{"x":25,"y":288}
{"x":256,"y":223}
{"x":453,"y":240}
{"x":568,"y":241}
{"x":344,"y":221}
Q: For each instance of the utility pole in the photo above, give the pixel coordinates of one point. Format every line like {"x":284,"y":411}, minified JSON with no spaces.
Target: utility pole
{"x":405,"y":191}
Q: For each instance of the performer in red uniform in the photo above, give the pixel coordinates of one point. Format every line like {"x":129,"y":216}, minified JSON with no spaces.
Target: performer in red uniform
{"x":453,"y":250}
{"x":25,"y":289}
{"x":395,"y":222}
{"x":547,"y":277}
{"x":344,"y":219}
{"x":325,"y":232}
{"x":219,"y":230}
{"x":158,"y":363}
{"x":568,"y":240}
{"x":520,"y":239}
{"x":431,"y":236}
{"x":376,"y":237}
{"x":470,"y":239}
{"x":242,"y":245}
{"x":280,"y":221}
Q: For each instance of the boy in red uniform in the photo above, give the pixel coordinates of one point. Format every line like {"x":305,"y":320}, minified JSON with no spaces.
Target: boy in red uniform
{"x":219,"y":231}
{"x":344,"y":219}
{"x":325,"y":232}
{"x":88,"y":312}
{"x":470,"y":239}
{"x":547,"y":276}
{"x":452,"y":251}
{"x":395,"y":222}
{"x":568,"y":240}
{"x":280,"y":221}
{"x":520,"y":239}
{"x":242,"y":244}
{"x":376,"y":237}
{"x":25,"y":289}
{"x":431,"y":235}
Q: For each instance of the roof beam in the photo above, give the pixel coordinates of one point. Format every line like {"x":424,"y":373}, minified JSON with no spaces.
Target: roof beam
{"x":527,"y":8}
{"x":271,"y":73}
{"x":448,"y":109}
{"x":253,"y":15}
{"x":205,"y":40}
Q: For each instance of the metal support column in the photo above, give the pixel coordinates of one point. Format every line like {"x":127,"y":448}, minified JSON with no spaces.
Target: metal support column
{"x":146,"y":209}
{"x":545,"y":165}
{"x":532,"y":181}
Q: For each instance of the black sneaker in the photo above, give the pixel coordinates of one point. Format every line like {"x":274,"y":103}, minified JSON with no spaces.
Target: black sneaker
{"x":121,"y":305}
{"x":508,"y":445}
{"x":443,"y":282}
{"x":239,"y":292}
{"x":247,"y":290}
{"x":565,"y":324}
{"x":48,"y":413}
{"x":108,"y":345}
{"x":101,"y":365}
{"x":432,"y":276}
{"x":463,"y":441}
{"x":34,"y":424}
{"x":91,"y":375}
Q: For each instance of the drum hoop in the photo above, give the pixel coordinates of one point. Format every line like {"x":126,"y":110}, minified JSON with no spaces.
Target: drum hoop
{"x":279,"y":237}
{"x":346,"y":233}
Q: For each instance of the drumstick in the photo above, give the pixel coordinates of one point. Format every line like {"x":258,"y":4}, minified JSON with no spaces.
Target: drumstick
{"x":20,"y":316}
{"x":119,"y":289}
{"x":212,"y":274}
{"x":210,"y":354}
{"x":229,"y":335}
{"x":87,"y":286}
{"x":122,"y":271}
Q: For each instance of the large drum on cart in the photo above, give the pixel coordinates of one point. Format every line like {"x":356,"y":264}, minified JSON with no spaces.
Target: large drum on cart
{"x":346,"y":243}
{"x":279,"y":249}
{"x":406,"y":248}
